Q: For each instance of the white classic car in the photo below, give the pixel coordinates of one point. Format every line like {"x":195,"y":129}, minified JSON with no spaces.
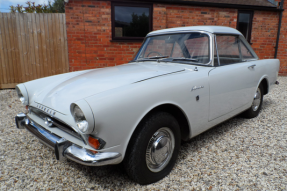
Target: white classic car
{"x":181,"y":82}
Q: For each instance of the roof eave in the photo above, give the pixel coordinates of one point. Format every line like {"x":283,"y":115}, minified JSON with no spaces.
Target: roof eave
{"x":207,"y":4}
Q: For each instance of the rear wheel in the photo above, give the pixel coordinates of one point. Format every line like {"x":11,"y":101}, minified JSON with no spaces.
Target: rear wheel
{"x":153,"y":149}
{"x":255,"y":108}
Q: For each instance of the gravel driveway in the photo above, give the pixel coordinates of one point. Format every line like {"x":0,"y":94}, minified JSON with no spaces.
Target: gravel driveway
{"x":238,"y":154}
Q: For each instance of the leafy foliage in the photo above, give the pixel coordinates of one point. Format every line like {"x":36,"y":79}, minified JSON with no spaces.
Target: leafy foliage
{"x":56,"y":7}
{"x":59,"y":6}
{"x":139,"y":26}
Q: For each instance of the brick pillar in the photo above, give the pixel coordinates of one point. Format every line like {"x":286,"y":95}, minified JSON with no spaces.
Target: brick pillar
{"x":282,"y":47}
{"x":264,"y":33}
{"x":159,"y":17}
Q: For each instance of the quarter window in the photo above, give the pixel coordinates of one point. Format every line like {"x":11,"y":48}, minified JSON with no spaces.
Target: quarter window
{"x":246,"y":54}
{"x":244,"y":23}
{"x":131,"y":21}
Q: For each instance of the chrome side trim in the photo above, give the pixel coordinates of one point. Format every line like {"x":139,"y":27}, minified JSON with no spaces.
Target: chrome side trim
{"x":64,"y":148}
{"x":159,"y":76}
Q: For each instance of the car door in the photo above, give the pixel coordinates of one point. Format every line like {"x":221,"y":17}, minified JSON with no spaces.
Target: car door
{"x":232,"y":82}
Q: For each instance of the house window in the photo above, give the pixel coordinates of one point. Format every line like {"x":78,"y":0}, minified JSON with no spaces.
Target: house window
{"x":131,"y":21}
{"x":244,"y":23}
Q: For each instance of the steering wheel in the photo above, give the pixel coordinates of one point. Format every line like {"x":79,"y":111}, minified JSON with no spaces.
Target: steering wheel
{"x":154,"y":52}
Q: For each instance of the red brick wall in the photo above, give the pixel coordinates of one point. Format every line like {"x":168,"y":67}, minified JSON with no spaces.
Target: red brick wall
{"x":89,"y":35}
{"x":159,"y":17}
{"x":264,"y":33}
{"x":89,"y":31}
{"x":178,"y":16}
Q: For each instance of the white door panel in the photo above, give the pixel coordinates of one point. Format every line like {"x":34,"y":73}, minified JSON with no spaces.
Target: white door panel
{"x":231,"y":87}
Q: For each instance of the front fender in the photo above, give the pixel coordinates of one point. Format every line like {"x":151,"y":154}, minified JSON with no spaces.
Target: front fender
{"x":118,"y":112}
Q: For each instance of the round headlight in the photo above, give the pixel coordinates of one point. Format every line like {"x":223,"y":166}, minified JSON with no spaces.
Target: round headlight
{"x":20,"y":95}
{"x":80,"y":119}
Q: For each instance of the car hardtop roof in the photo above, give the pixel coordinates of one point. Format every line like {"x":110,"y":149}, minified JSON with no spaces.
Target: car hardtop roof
{"x":210,"y":29}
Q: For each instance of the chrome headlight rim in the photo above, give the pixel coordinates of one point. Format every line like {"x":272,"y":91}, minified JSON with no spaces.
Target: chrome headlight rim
{"x":22,"y":94}
{"x":80,"y":119}
{"x":84,"y":118}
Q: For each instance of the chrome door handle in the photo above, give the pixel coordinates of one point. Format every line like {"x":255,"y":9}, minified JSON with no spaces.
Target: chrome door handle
{"x":252,"y":66}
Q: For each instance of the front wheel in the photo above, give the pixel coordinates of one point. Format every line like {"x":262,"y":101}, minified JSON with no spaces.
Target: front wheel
{"x":255,"y":108}
{"x":153,"y":149}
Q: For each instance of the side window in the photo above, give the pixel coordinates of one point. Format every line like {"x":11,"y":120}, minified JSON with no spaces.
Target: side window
{"x":246,"y":54}
{"x":228,"y":49}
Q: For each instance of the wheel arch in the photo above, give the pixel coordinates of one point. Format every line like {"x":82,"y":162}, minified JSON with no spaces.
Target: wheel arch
{"x":174,"y":110}
{"x":265,"y":84}
{"x":179,"y":115}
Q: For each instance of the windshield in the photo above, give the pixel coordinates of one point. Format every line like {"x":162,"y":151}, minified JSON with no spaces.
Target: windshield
{"x":186,"y":47}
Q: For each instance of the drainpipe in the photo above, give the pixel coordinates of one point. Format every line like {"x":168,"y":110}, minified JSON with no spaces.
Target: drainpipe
{"x":279,"y":27}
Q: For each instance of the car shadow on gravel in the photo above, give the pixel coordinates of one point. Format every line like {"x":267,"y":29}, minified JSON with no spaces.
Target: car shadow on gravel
{"x":114,"y":175}
{"x":105,"y":176}
{"x":216,"y":132}
{"x":209,"y":136}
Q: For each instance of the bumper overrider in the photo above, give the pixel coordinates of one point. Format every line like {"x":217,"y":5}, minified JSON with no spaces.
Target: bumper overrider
{"x":64,"y":148}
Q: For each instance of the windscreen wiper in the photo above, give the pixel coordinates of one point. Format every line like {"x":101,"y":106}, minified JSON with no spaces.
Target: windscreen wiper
{"x":185,"y":59}
{"x":157,"y":57}
{"x":151,"y":58}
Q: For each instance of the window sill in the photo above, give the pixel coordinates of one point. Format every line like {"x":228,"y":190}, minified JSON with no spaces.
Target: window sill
{"x":131,"y":40}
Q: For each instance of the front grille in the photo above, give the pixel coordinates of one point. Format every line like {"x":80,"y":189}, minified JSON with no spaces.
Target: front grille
{"x":56,"y":122}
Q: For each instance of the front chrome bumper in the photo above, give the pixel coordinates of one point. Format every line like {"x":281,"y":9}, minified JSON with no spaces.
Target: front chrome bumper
{"x":64,"y":148}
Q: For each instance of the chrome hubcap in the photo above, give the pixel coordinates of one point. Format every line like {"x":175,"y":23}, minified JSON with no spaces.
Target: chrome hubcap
{"x":257,"y":100}
{"x":160,"y":149}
